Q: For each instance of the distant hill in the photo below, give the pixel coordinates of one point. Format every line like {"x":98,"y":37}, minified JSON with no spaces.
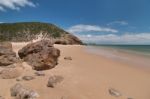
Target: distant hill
{"x":27,"y":31}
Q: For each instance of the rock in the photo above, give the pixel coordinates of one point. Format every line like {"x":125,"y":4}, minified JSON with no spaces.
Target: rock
{"x":40,"y":55}
{"x":53,"y":80}
{"x":10,"y":73}
{"x":21,"y":92}
{"x":7,"y":45}
{"x":68,"y":58}
{"x":114,"y":92}
{"x":7,"y":56}
{"x":60,"y":41}
{"x":27,"y":78}
{"x":71,"y":39}
{"x":39,"y":73}
{"x":68,"y":39}
{"x":15,"y":89}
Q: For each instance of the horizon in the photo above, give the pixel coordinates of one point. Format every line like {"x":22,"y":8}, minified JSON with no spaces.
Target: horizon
{"x":97,"y":21}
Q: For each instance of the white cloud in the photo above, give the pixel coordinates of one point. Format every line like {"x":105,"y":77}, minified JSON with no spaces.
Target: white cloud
{"x":118,"y":22}
{"x":127,"y":38}
{"x":1,"y":8}
{"x":15,"y":4}
{"x":89,"y":28}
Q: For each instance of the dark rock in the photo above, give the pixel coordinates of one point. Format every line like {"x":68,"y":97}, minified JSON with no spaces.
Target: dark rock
{"x":114,"y":92}
{"x":21,"y":92}
{"x":39,"y":73}
{"x":60,"y":41}
{"x":53,"y":80}
{"x":68,"y":58}
{"x":40,"y":55}
{"x":27,"y":78}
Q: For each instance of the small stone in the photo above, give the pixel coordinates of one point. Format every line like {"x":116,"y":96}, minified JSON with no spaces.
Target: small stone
{"x":68,"y":58}
{"x":39,"y":73}
{"x":27,"y":78}
{"x":114,"y":92}
{"x":53,"y":80}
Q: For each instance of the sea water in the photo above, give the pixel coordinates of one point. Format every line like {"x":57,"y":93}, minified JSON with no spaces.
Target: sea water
{"x":138,"y":55}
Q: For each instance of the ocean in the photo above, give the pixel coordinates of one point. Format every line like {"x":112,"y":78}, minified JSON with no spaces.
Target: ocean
{"x":138,"y":55}
{"x":134,"y":49}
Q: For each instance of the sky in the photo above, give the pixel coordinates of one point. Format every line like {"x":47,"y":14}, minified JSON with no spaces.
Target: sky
{"x":93,"y":21}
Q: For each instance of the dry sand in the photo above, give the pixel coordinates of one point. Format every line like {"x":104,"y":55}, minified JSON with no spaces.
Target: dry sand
{"x":87,"y":76}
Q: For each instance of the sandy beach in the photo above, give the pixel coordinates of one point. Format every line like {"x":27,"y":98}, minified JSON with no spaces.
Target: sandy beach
{"x":87,"y":76}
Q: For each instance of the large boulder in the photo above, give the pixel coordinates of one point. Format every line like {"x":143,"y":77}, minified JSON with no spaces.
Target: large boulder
{"x":7,"y":56}
{"x":40,"y":55}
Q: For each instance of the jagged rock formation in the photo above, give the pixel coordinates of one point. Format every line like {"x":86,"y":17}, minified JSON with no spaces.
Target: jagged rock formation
{"x":40,"y":55}
{"x":27,"y":31}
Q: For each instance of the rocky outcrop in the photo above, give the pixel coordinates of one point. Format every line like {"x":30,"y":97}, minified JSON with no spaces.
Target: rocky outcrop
{"x":40,"y":55}
{"x":7,"y":56}
{"x":68,"y":39}
{"x":20,"y":92}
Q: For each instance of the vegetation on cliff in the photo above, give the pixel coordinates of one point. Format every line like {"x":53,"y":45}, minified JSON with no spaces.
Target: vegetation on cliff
{"x":26,"y":31}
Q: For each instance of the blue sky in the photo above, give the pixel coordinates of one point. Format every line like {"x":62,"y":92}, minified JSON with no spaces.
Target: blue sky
{"x":96,"y":21}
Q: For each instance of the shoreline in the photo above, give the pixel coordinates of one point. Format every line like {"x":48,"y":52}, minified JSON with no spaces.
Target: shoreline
{"x":128,"y":57}
{"x":86,"y":76}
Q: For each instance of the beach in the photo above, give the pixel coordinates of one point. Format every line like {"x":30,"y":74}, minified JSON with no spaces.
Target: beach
{"x":86,"y":76}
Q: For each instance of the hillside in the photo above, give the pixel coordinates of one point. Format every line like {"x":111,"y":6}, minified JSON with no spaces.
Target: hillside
{"x":27,"y":31}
